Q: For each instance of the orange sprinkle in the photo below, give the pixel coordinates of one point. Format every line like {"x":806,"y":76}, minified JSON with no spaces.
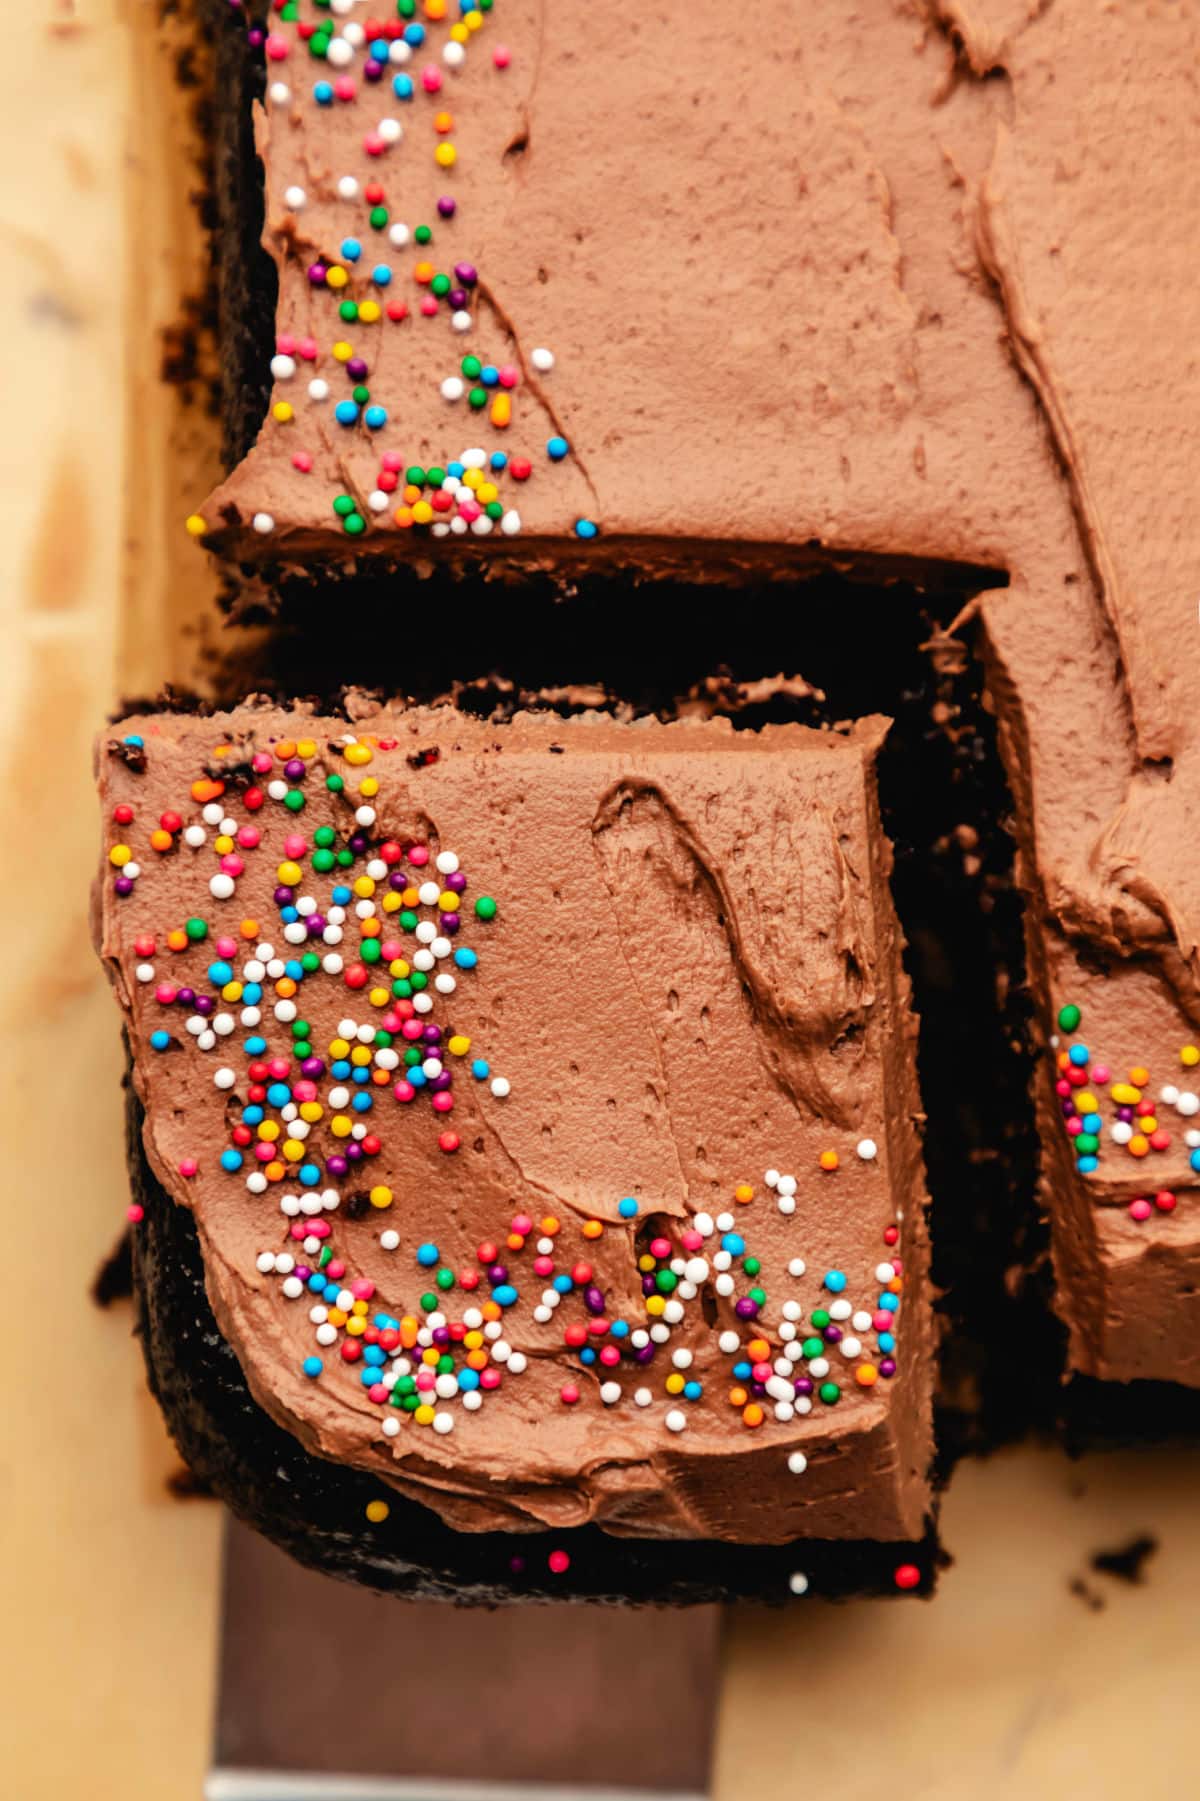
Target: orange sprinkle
{"x":1139,"y":1076}
{"x":177,"y":940}
{"x":249,"y":928}
{"x":1138,"y":1145}
{"x":160,"y":840}
{"x":866,"y":1375}
{"x":743,"y":1193}
{"x":443,"y":122}
{"x":828,"y":1160}
{"x":204,"y":789}
{"x":758,"y":1350}
{"x":738,"y":1397}
{"x":550,"y":1225}
{"x":752,"y":1415}
{"x":284,"y":749}
{"x":501,"y":410}
{"x":490,"y":1310}
{"x":424,"y":273}
{"x":592,"y":1228}
{"x":285,"y":988}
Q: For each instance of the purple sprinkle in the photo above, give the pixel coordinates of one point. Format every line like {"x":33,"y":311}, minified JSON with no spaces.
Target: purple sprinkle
{"x":205,"y":1005}
{"x":887,"y":1366}
{"x":803,"y":1385}
{"x":316,"y":274}
{"x":466,"y":273}
{"x":294,"y":769}
{"x":457,"y":298}
{"x":398,"y":880}
{"x":456,"y":881}
{"x":648,"y":1285}
{"x":1126,"y":1114}
{"x":644,"y":1353}
{"x":497,"y":1274}
{"x":745,"y":1308}
{"x":450,"y":923}
{"x":832,"y":1334}
{"x":186,"y":996}
{"x":358,"y":843}
{"x":356,"y":367}
{"x":447,"y":206}
{"x":439,"y":1084}
{"x":593,"y":1299}
{"x":354,"y":1152}
{"x":336,"y":1164}
{"x":313,"y":1067}
{"x":372,"y":70}
{"x":284,"y":896}
{"x":441,"y":1336}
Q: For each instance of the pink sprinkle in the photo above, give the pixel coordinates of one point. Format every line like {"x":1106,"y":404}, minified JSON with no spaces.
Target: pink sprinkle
{"x":1140,"y":1209}
{"x":559,"y":1562}
{"x":569,"y":1394}
{"x":188,"y":1167}
{"x":418,"y":856}
{"x":226,"y":946}
{"x":392,"y":461}
{"x":429,"y":307}
{"x":431,"y":79}
{"x":261,"y":762}
{"x":404,"y":1091}
{"x":294,"y":845}
{"x":443,"y":1101}
{"x":490,"y":1377}
{"x":543,"y":1266}
{"x":522,"y":1224}
{"x":165,"y":993}
{"x":362,"y":1289}
{"x":302,"y":461}
{"x":308,"y":349}
{"x":509,"y":377}
{"x":231,"y":865}
{"x":502,"y":56}
{"x":691,"y":1240}
{"x":336,"y":1270}
{"x":373,"y":144}
{"x":286,"y":345}
{"x":249,"y":837}
{"x":377,"y":1392}
{"x":610,"y":1356}
{"x":389,"y":951}
{"x":277,"y":48}
{"x":134,"y":1213}
{"x":343,"y":87}
{"x":1101,"y":1072}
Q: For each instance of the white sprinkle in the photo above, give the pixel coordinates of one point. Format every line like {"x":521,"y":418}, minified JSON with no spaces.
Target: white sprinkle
{"x":391,"y":1426}
{"x":293,"y":1288}
{"x":264,"y":523}
{"x":786,"y":1204}
{"x":281,"y":93}
{"x":542,"y":360}
{"x":224,"y":1078}
{"x":453,"y":388}
{"x":867,"y":1149}
{"x":390,"y":130}
{"x":885,"y":1272}
{"x":798,"y":1582}
{"x":772,"y":1178}
{"x":610,"y":1393}
{"x":144,"y":972}
{"x":347,"y":187}
{"x":318,"y":389}
{"x":797,"y":1463}
{"x":454,"y":54}
{"x":642,"y":1397}
{"x":461,"y":321}
{"x":443,"y":1423}
{"x":510,"y":523}
{"x":676,"y":1421}
{"x":1187,"y":1104}
{"x":283,"y":367}
{"x":265,"y":1262}
{"x":294,"y":198}
{"x":340,"y":52}
{"x":729,"y":1342}
{"x":500,"y":1087}
{"x":797,"y":1267}
{"x":398,"y":233}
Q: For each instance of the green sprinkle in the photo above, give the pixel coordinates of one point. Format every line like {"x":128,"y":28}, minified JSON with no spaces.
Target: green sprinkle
{"x":196,"y":930}
{"x":485,"y":907}
{"x":1069,"y":1018}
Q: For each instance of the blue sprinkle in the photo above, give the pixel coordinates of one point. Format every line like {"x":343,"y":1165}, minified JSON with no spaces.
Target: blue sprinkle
{"x":312,"y":1367}
{"x":252,"y":993}
{"x":692,"y":1391}
{"x":294,"y":968}
{"x":360,"y":1075}
{"x":743,"y":1371}
{"x":310,"y":1175}
{"x":1088,"y":1165}
{"x":1078,"y":1053}
{"x":886,"y":1341}
{"x":351,"y":249}
{"x":1194,"y":1159}
{"x":1092,"y":1122}
{"x":563,"y":1284}
{"x":414,"y":34}
{"x":427,"y":1255}
{"x":889,"y":1302}
{"x":499,"y":460}
{"x":457,"y":469}
{"x":381,"y":275}
{"x":341,"y":895}
{"x":279,"y":1094}
{"x":480,"y":1069}
{"x":734,"y":1243}
{"x":288,"y":915}
{"x":587,"y":1355}
{"x":340,"y":1069}
{"x":219,"y":974}
{"x":231,"y":1160}
{"x":402,"y":87}
{"x":586,"y":528}
{"x":253,"y":1115}
{"x":835,"y":1281}
{"x":619,"y":1329}
{"x":160,"y":1040}
{"x":323,"y":93}
{"x":379,"y":48}
{"x":557,"y":449}
{"x":316,"y":1283}
{"x":417,"y":1077}
{"x":505,"y":1295}
{"x":489,"y":375}
{"x":375,"y":416}
{"x":362,"y":1103}
{"x":466,"y":959}
{"x":345,"y":412}
{"x":374,"y":1353}
{"x":137,"y":742}
{"x":628,"y":1207}
{"x":468,"y":1378}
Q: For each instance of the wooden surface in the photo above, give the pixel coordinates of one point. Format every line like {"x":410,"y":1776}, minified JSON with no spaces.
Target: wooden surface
{"x":1009,"y":1683}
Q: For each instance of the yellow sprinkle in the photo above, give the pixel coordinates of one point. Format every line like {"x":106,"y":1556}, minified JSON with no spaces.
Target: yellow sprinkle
{"x":119,"y":855}
{"x":1189,"y":1056}
{"x":306,"y":747}
{"x":674,"y":1383}
{"x":445,"y":156}
{"x":369,"y":311}
{"x":377,"y":1512}
{"x":311,"y":1112}
{"x":290,"y":874}
{"x":379,"y":997}
{"x":232,"y":991}
{"x":486,"y":492}
{"x":338,"y":1048}
{"x":422,"y":513}
{"x":340,"y":1126}
{"x":196,"y":525}
{"x":655,"y":1305}
{"x":223,"y":845}
{"x":364,"y":887}
{"x":1123,"y":1094}
{"x":358,"y":754}
{"x":1086,"y":1102}
{"x":342,"y":351}
{"x":381,"y":1195}
{"x":360,"y":1055}
{"x":336,"y":277}
{"x":283,"y":412}
{"x":369,"y":787}
{"x":424,"y":1414}
{"x":473,"y":478}
{"x":269,"y":1131}
{"x":459,"y":33}
{"x":458,"y":1045}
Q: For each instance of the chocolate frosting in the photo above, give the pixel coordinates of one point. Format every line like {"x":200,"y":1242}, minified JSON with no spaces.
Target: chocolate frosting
{"x":910,"y":283}
{"x":693,"y":976}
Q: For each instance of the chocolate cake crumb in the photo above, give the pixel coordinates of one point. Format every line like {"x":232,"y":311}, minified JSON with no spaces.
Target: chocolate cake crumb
{"x":1127,"y":1562}
{"x":114,"y":1279}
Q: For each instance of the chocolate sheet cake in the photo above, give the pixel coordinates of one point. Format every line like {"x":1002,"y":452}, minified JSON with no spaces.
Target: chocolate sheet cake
{"x":907,"y":289}
{"x":474,"y":1174}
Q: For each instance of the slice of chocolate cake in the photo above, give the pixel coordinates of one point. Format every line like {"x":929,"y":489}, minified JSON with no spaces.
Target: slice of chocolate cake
{"x":533,"y":1105}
